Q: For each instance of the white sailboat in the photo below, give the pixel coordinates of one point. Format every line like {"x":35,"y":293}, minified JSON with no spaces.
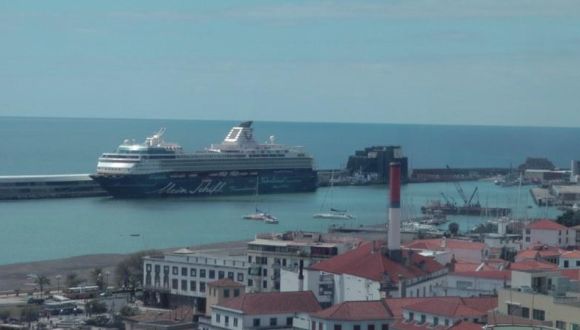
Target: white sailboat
{"x":260,"y":215}
{"x":333,"y":213}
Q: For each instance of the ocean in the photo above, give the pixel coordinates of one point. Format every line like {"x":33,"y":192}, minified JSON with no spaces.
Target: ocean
{"x":47,"y":229}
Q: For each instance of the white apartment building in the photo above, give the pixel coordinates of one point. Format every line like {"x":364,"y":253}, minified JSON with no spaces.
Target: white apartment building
{"x":269,"y":253}
{"x":548,"y":232}
{"x":181,"y":277}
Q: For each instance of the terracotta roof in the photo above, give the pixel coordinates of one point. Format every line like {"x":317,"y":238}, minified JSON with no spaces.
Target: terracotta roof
{"x":464,"y":325}
{"x":225,"y":282}
{"x":406,"y":325}
{"x":446,"y":307}
{"x":482,"y":304}
{"x":572,"y":274}
{"x":538,"y":252}
{"x":494,"y":265}
{"x":492,"y":274}
{"x":571,"y":254}
{"x":545,"y":224}
{"x":273,"y":303}
{"x":368,"y":262}
{"x":436,"y":244}
{"x":532,"y":265}
{"x":356,"y":311}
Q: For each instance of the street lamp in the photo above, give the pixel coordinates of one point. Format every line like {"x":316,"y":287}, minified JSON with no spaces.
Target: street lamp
{"x":58,"y":277}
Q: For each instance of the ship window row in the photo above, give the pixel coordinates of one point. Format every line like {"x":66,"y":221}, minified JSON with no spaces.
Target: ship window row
{"x":43,"y":184}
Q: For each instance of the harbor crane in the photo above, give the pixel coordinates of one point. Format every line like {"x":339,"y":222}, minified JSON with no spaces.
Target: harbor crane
{"x":461,"y":192}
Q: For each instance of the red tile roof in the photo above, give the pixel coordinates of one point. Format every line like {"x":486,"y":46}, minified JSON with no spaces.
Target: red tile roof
{"x":447,"y":307}
{"x":273,"y":303}
{"x":356,"y":311}
{"x":492,"y":265}
{"x":482,"y":304}
{"x":492,"y":274}
{"x":368,"y":262}
{"x":464,"y":325}
{"x":571,"y":254}
{"x":572,"y":274}
{"x":545,"y":224}
{"x":225,"y":282}
{"x":436,"y":244}
{"x":539,"y":251}
{"x":405,"y":325}
{"x":532,"y":265}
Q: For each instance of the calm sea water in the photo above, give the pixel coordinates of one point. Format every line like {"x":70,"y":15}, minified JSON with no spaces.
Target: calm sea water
{"x":47,"y":229}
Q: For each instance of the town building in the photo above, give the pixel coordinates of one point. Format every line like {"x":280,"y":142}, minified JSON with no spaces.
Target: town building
{"x":375,"y":161}
{"x":566,"y":194}
{"x":349,"y":315}
{"x":263,"y":310}
{"x":444,"y":249}
{"x":541,"y":253}
{"x":221,"y":290}
{"x":570,"y":260}
{"x":368,"y":273}
{"x":473,"y":283}
{"x":269,"y":253}
{"x":181,"y":277}
{"x":548,"y":232}
{"x":542,"y":296}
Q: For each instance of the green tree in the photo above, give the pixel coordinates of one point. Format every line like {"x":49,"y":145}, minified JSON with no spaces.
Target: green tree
{"x":453,"y":228}
{"x":72,"y":280}
{"x":129,"y":272}
{"x":128,"y":311}
{"x":42,"y":281}
{"x":97,"y":276}
{"x":569,"y":219}
{"x":96,"y":307}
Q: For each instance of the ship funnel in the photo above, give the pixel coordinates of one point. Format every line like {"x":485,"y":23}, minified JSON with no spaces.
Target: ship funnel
{"x":394,"y":233}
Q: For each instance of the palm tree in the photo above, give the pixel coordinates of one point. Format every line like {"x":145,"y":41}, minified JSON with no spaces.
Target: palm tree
{"x":42,"y":281}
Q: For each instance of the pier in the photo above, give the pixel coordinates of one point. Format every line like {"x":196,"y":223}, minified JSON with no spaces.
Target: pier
{"x":48,"y":186}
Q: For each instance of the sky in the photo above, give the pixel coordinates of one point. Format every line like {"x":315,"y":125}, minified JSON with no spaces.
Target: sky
{"x":476,"y":62}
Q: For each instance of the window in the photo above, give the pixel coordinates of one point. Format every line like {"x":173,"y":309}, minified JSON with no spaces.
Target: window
{"x":240,"y":277}
{"x":235,"y":321}
{"x":356,"y":327}
{"x":256,"y":322}
{"x":148,"y":267}
{"x":527,"y":238}
{"x":577,"y":263}
{"x":183,"y":271}
{"x":231,"y":275}
{"x":463,"y":284}
{"x":273,"y":321}
{"x":202,"y":273}
{"x":192,"y":286}
{"x":184,"y":285}
{"x":423,"y":318}
{"x":435,"y":321}
{"x":384,"y":327}
{"x":265,"y":272}
{"x":250,"y":282}
{"x":265,"y":284}
{"x":175,"y":270}
{"x":411,"y":316}
{"x":193,"y":272}
{"x":289,"y":321}
{"x":226,"y":293}
{"x":446,"y":322}
{"x":371,"y":327}
{"x":201,"y":286}
{"x":526,"y":312}
{"x":337,"y":327}
{"x":575,"y":326}
{"x":566,"y":264}
{"x":250,"y":259}
{"x":538,"y":314}
{"x":211,"y":273}
{"x":221,"y":274}
{"x":561,"y":325}
{"x":174,"y":284}
{"x":217,"y":317}
{"x":227,"y":320}
{"x":313,"y":326}
{"x":236,"y":292}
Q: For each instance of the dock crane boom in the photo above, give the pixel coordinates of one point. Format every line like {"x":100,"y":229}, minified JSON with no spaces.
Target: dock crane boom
{"x":459,"y":190}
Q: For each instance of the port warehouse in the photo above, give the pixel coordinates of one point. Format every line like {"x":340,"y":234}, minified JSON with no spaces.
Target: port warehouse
{"x":48,"y":186}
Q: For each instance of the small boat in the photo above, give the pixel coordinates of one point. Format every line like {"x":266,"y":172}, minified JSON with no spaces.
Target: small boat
{"x":261,"y":216}
{"x":334,"y":214}
{"x":135,"y":235}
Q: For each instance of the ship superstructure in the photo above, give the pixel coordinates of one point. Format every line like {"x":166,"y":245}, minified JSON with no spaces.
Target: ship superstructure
{"x":236,"y":166}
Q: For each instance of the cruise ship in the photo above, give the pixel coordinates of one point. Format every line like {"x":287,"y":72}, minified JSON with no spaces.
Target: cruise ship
{"x":239,"y":165}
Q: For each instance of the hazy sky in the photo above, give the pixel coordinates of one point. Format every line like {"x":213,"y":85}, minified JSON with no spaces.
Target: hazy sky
{"x":423,"y":61}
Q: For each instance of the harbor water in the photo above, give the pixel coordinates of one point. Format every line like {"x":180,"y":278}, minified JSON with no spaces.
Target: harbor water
{"x":47,"y":229}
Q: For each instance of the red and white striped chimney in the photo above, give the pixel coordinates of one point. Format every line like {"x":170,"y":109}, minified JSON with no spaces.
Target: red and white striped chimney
{"x":394,"y":233}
